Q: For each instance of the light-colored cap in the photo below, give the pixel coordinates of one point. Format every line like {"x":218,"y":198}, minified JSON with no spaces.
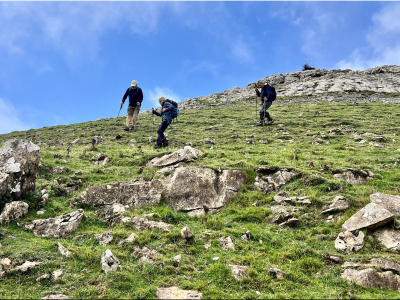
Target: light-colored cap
{"x":134,"y":83}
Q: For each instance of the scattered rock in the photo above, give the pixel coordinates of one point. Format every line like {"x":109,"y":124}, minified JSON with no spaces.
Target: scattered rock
{"x":186,"y":233}
{"x":184,"y":154}
{"x":13,"y":211}
{"x":283,"y":208}
{"x":57,"y":227}
{"x":19,"y":164}
{"x":129,"y":239}
{"x":177,"y":258}
{"x":390,"y":238}
{"x":146,"y":255}
{"x":276,"y":273}
{"x":239,"y":272}
{"x":64,"y":251}
{"x":359,"y":177}
{"x":281,"y":196}
{"x":60,"y":170}
{"x":269,"y":180}
{"x":371,"y":216}
{"x":99,"y":156}
{"x":372,"y":278}
{"x":109,"y":263}
{"x":145,"y":224}
{"x":250,"y":141}
{"x":246,"y":236}
{"x":27,"y":266}
{"x":291,"y":222}
{"x":6,"y":263}
{"x":348,"y":242}
{"x":226,"y":243}
{"x":58,"y":274}
{"x":282,"y":217}
{"x":174,"y":292}
{"x":334,"y":258}
{"x":339,"y":204}
{"x":45,"y":276}
{"x":112,"y":214}
{"x":105,"y":238}
{"x":55,"y":297}
{"x":389,"y":202}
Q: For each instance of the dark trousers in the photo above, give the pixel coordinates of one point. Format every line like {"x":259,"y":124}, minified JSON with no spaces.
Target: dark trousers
{"x":264,"y":108}
{"x":163,"y":126}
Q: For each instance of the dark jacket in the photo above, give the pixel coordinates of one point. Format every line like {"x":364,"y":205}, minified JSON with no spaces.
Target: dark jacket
{"x":165,"y":115}
{"x":135,"y":95}
{"x":265,"y":92}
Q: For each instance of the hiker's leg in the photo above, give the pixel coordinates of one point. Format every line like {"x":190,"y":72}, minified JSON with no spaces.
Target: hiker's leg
{"x":131,"y":110}
{"x":128,"y":120}
{"x":267,"y":105}
{"x":135,"y":114}
{"x":262,"y":112}
{"x":161,"y":130}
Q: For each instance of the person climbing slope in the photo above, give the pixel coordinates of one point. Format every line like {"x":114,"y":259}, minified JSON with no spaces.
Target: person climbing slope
{"x":135,"y":101}
{"x":167,"y":113}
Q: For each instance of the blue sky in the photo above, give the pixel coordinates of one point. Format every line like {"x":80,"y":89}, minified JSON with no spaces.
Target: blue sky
{"x":70,"y":62}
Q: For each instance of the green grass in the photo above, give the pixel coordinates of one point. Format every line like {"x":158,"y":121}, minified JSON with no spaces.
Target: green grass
{"x":298,"y":251}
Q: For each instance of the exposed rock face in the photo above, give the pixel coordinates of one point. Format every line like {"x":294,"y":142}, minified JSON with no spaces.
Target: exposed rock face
{"x":372,"y":278}
{"x":27,"y":266}
{"x":146,"y":255}
{"x":339,"y":204}
{"x":112,"y":214}
{"x":348,"y":242}
{"x":58,"y":274}
{"x":13,"y":211}
{"x":144,"y":224}
{"x":226,"y":243}
{"x":270,"y":180}
{"x":353,"y":177}
{"x":175,"y":292}
{"x":390,"y":202}
{"x":105,"y":238}
{"x":57,"y":227}
{"x":384,"y":264}
{"x":390,"y":238}
{"x":371,"y":216}
{"x":184,"y":154}
{"x":239,"y":272}
{"x":135,"y":194}
{"x":64,"y":251}
{"x":109,"y":263}
{"x":19,"y":164}
{"x":192,"y":187}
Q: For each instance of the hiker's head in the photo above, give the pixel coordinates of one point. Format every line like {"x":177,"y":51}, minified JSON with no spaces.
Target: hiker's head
{"x":161,"y":100}
{"x":260,"y":83}
{"x":134,"y":83}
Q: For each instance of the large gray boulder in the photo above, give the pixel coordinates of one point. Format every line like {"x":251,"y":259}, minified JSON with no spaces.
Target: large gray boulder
{"x":371,"y":216}
{"x":183,"y":154}
{"x":348,"y":242}
{"x":175,"y":292}
{"x":372,"y":278}
{"x":109,"y":263}
{"x":390,"y":202}
{"x":13,"y":211}
{"x":390,"y":238}
{"x":355,"y":177}
{"x":19,"y":164}
{"x":57,"y":227}
{"x":192,"y":187}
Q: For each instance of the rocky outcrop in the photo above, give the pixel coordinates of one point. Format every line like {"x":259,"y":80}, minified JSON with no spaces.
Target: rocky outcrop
{"x":109,"y":263}
{"x":146,"y":255}
{"x":13,"y":211}
{"x":186,"y":233}
{"x":57,"y":227}
{"x":129,"y":239}
{"x":371,"y":216}
{"x":193,"y":187}
{"x":389,"y":202}
{"x":270,"y":180}
{"x":19,"y":164}
{"x":145,"y":224}
{"x":373,"y":278}
{"x":26,"y":266}
{"x":175,"y":292}
{"x":226,"y":243}
{"x":339,"y":204}
{"x":348,"y":242}
{"x":112,"y":214}
{"x":388,"y":237}
{"x":105,"y":238}
{"x":275,"y":272}
{"x":63,"y":251}
{"x":355,"y":176}
{"x":187,"y":153}
{"x":239,"y":272}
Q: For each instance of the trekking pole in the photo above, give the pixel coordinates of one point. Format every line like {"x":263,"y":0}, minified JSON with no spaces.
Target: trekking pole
{"x":265,"y":102}
{"x":152,"y":127}
{"x":256,"y":104}
{"x":137,"y":118}
{"x":117,"y":118}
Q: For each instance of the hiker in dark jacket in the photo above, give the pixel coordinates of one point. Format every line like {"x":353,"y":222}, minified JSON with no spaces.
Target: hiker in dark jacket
{"x":266,"y":102}
{"x":166,"y":119}
{"x":135,"y":101}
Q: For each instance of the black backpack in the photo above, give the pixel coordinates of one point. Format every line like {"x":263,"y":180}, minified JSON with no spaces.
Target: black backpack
{"x":273,"y":96}
{"x":175,"y":110}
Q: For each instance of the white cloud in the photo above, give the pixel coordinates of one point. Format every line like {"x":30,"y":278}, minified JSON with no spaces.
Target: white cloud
{"x":9,"y":119}
{"x":242,"y":52}
{"x":157,"y":92}
{"x":383,"y":40}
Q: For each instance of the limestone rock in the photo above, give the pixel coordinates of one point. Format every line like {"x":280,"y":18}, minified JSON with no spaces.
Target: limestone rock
{"x":27,"y":266}
{"x":19,"y":164}
{"x":355,"y":178}
{"x":281,"y":196}
{"x":389,"y":202}
{"x":371,"y":216}
{"x":348,"y":242}
{"x":339,"y":204}
{"x":281,"y":217}
{"x":40,"y":278}
{"x":109,"y":263}
{"x":290,"y":222}
{"x":174,"y":292}
{"x":144,"y":224}
{"x":184,"y":154}
{"x":193,"y":187}
{"x":390,"y":238}
{"x":283,"y":208}
{"x":6,"y":263}
{"x":105,"y":238}
{"x":112,"y":214}
{"x":177,"y":258}
{"x":59,"y":170}
{"x":55,"y":297}
{"x":271,"y":180}
{"x":58,"y":274}
{"x":226,"y":243}
{"x":64,"y":251}
{"x":99,"y":156}
{"x":384,"y":264}
{"x":186,"y":233}
{"x":278,"y":273}
{"x":129,"y":239}
{"x":13,"y":211}
{"x":169,"y":169}
{"x":146,"y":255}
{"x":372,"y":278}
{"x":239,"y":272}
{"x":57,"y":227}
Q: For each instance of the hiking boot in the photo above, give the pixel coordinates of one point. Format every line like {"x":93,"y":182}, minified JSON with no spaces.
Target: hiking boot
{"x":261,"y":123}
{"x":126,"y":128}
{"x":165,"y":143}
{"x":270,"y":121}
{"x":133,"y":127}
{"x":157,"y":146}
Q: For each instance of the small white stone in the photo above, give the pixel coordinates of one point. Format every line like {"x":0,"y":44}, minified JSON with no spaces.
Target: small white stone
{"x":177,"y":258}
{"x":215,"y":258}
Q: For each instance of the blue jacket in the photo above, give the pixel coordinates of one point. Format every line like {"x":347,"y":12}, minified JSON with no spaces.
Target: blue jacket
{"x":265,"y":92}
{"x":165,"y":115}
{"x":135,"y":95}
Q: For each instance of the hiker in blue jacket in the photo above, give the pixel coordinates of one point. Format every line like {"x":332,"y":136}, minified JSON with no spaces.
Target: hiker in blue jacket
{"x":166,"y":119}
{"x":266,"y":102}
{"x":135,"y":101}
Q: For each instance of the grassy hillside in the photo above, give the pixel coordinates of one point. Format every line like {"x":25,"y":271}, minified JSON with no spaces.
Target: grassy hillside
{"x":299,"y":251}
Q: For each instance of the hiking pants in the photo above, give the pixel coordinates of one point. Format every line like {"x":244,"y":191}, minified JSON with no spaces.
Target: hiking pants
{"x":163,"y":126}
{"x":267,"y":105}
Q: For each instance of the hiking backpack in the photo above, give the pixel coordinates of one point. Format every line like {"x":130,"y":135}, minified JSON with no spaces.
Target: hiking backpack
{"x":273,"y":93}
{"x":174,"y":110}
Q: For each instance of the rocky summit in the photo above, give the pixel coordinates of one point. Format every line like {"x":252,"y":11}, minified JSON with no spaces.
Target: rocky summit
{"x":304,"y":207}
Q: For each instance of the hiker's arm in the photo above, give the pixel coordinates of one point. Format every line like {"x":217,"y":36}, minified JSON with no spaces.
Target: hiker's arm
{"x":167,"y":107}
{"x":125,"y":96}
{"x":155,"y":112}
